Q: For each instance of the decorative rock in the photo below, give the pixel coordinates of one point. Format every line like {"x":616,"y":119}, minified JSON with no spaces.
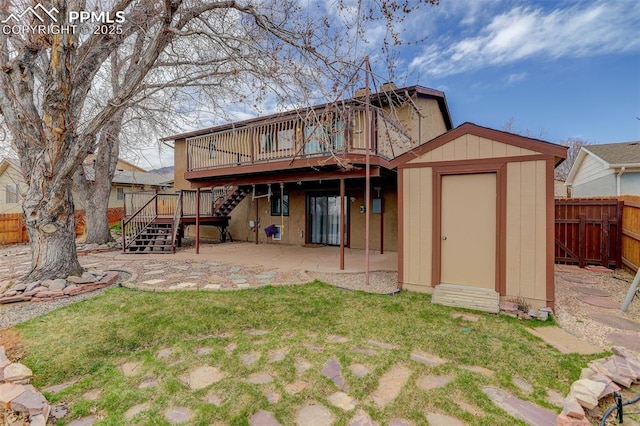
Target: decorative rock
{"x":202,"y":377}
{"x":59,"y":411}
{"x":136,"y":409}
{"x":359,"y":370}
{"x":314,"y":414}
{"x":436,"y":419}
{"x":465,"y":316}
{"x":38,"y":420}
{"x":151,"y":383}
{"x":230,"y":347}
{"x":390,"y":385}
{"x":295,"y":387}
{"x":362,"y":418}
{"x":369,"y":352}
{"x":57,"y":284}
{"x":433,"y":382}
{"x":564,"y":420}
{"x":527,"y":412}
{"x":572,"y":408}
{"x":250,"y":358}
{"x":302,"y":365}
{"x":278,"y":355}
{"x":259,"y":379}
{"x":84,"y":421}
{"x":263,"y":418}
{"x":16,"y":372}
{"x":31,"y":402}
{"x":204,"y":351}
{"x":213,"y":398}
{"x":381,"y":344}
{"x":177,"y":415}
{"x":478,"y":369}
{"x":470,"y":408}
{"x":4,"y":361}
{"x":272,"y":397}
{"x":337,"y":339}
{"x":130,"y":369}
{"x":60,"y":387}
{"x":333,"y":371}
{"x":428,"y":359}
{"x":92,"y":395}
{"x":9,"y":391}
{"x":342,"y":400}
{"x":400,"y":422}
{"x":586,"y":392}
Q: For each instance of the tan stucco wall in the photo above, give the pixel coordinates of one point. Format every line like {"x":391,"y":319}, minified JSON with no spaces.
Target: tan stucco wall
{"x":470,"y":147}
{"x":526,"y":231}
{"x":295,"y":224}
{"x":525,"y":221}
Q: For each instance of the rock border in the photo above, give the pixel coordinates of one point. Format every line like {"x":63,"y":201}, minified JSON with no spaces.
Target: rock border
{"x":601,"y":378}
{"x":46,"y":290}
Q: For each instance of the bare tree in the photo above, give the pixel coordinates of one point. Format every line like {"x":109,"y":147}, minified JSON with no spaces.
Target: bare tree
{"x":46,"y":80}
{"x":574,"y":145}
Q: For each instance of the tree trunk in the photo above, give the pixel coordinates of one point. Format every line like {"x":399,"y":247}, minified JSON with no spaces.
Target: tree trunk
{"x":50,"y":221}
{"x":97,"y":221}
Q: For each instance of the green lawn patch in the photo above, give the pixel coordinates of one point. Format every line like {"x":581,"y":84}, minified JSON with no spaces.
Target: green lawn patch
{"x":92,"y":339}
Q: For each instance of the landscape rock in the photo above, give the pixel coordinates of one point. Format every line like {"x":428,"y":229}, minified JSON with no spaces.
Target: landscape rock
{"x":16,"y":372}
{"x":57,"y":284}
{"x":342,"y":400}
{"x":572,"y":408}
{"x":8,"y":392}
{"x":314,"y":414}
{"x":564,"y":420}
{"x":263,"y":418}
{"x":586,"y":392}
{"x":333,"y":371}
{"x":362,"y":418}
{"x":390,"y":385}
{"x":30,"y":402}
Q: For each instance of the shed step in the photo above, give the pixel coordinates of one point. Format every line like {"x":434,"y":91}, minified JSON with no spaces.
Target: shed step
{"x":463,"y":296}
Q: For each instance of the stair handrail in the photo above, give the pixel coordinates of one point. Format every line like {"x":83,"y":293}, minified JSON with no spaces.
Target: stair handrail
{"x":137,"y":227}
{"x":176,"y":222}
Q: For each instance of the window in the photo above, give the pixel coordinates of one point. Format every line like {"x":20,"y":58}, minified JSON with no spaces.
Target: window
{"x":11,"y":191}
{"x":280,"y":205}
{"x":285,"y":139}
{"x":119,"y":193}
{"x":267,"y":142}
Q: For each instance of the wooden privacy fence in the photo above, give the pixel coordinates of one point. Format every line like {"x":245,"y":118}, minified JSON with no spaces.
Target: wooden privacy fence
{"x":589,"y":232}
{"x":631,"y":231}
{"x":13,"y":230}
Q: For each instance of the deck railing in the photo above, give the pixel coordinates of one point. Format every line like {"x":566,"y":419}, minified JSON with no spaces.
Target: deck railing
{"x":307,"y":134}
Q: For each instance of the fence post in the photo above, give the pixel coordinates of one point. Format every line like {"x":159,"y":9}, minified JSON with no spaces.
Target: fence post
{"x":619,"y":234}
{"x":582,"y":237}
{"x":604,"y":240}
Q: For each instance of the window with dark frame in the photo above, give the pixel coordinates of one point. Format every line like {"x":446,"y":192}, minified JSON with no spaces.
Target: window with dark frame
{"x":213,"y":153}
{"x":280,"y":205}
{"x":119,"y":193}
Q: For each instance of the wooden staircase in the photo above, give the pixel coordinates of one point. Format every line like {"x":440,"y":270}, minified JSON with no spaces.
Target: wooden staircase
{"x":225,"y":204}
{"x":157,"y":237}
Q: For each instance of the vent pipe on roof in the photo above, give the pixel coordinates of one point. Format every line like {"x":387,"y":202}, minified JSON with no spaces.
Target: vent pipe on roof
{"x":619,"y":179}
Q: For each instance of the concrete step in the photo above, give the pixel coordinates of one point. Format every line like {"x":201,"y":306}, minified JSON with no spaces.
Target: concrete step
{"x":464,"y":296}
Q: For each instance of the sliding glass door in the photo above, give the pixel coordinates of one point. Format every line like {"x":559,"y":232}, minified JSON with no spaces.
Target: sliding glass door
{"x":324,"y":219}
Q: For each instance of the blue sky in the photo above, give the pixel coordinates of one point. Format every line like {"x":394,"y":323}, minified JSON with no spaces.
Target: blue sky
{"x":559,"y":69}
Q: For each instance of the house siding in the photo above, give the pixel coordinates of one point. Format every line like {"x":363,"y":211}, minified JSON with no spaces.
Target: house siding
{"x":11,"y":176}
{"x":630,"y":183}
{"x":603,"y":186}
{"x":591,"y":169}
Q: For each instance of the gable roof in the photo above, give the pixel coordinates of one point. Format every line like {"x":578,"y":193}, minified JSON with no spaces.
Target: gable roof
{"x":558,"y":151}
{"x":9,"y":162}
{"x":131,"y":177}
{"x":376,"y":98}
{"x":617,"y":154}
{"x":611,"y":155}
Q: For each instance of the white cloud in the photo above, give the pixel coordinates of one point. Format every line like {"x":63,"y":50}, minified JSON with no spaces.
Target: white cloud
{"x":516,"y":77}
{"x":532,"y":32}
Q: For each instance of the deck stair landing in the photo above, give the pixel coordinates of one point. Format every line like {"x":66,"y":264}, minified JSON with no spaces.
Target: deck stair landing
{"x":464,"y":296}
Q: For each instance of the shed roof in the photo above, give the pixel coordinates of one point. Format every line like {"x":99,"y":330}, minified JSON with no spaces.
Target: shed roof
{"x":558,"y":151}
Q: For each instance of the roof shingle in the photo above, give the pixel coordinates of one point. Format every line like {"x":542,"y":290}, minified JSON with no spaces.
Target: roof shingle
{"x":617,"y":153}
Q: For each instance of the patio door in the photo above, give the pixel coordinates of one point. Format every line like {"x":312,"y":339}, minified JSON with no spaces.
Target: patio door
{"x":323,"y":212}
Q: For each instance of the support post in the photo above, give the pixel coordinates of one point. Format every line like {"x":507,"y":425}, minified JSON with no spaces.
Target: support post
{"x":256,"y":227}
{"x":342,"y":201}
{"x":631,"y":293}
{"x":381,"y":224}
{"x":198,"y":221}
{"x":367,"y":196}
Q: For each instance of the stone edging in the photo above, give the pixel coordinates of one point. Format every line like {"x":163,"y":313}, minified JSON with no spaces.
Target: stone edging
{"x":601,"y":378}
{"x":46,"y":290}
{"x":17,"y":397}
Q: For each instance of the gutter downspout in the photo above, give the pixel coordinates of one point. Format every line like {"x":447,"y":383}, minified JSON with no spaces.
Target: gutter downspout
{"x":618,"y":180}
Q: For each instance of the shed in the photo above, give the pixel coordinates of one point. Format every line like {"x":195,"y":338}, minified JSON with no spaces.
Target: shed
{"x":476,"y":218}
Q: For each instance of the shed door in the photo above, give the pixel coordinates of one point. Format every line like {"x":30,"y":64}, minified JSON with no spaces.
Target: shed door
{"x":468,"y":232}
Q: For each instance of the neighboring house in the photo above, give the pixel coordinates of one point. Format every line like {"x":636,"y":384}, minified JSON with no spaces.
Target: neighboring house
{"x":12,"y":186}
{"x":127,"y":178}
{"x":297,"y":174}
{"x":606,"y":170}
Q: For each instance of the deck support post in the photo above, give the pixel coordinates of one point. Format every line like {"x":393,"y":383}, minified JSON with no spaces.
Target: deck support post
{"x":198,"y":221}
{"x":342,"y":201}
{"x":256,"y":227}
